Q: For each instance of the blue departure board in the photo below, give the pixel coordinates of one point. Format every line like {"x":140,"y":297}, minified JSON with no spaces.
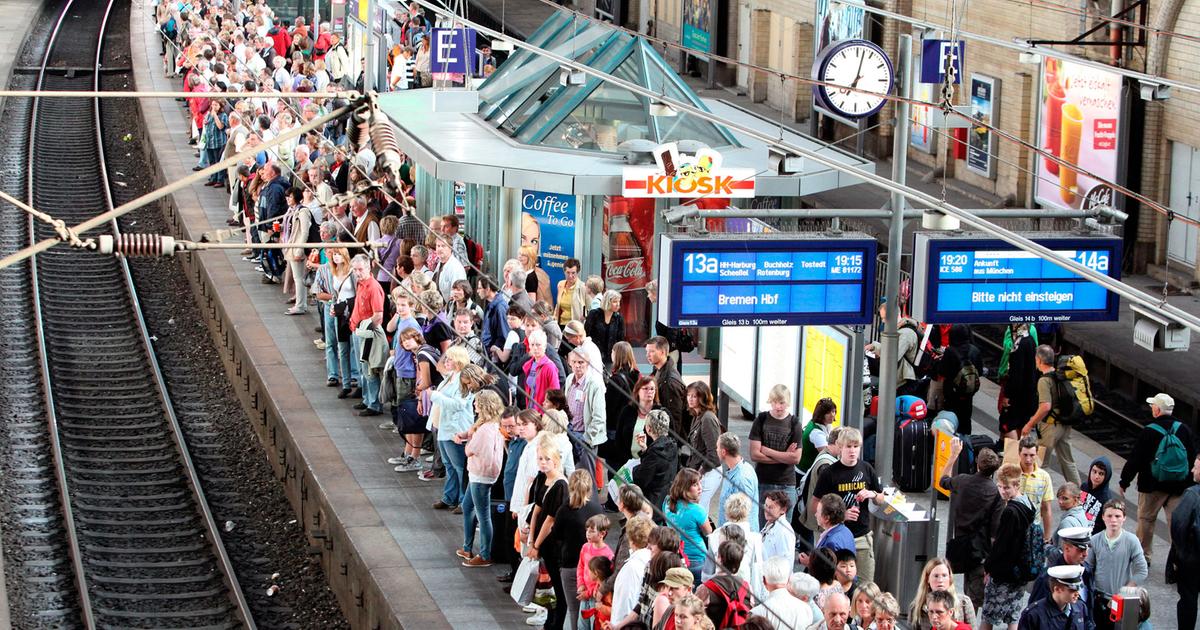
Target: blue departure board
{"x":973,"y":281}
{"x":766,"y":281}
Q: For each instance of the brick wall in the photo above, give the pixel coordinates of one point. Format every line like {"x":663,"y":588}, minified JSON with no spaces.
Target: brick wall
{"x":1177,"y":123}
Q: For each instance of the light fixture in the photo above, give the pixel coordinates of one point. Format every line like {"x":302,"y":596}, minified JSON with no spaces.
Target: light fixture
{"x":661,"y":109}
{"x":1030,"y":58}
{"x":1151,"y":91}
{"x":502,"y":45}
{"x":570,"y":76}
{"x":934,"y":220}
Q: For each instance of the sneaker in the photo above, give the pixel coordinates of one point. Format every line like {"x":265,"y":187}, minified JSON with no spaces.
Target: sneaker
{"x":397,"y":460}
{"x":441,"y":505}
{"x":345,"y":393}
{"x":429,"y":459}
{"x":457,"y":510}
{"x":360,"y":406}
{"x":477,"y":561}
{"x":389,"y":425}
{"x":427,"y":475}
{"x":465,"y":555}
{"x":332,"y":382}
{"x":538,"y":618}
{"x":369,"y":412}
{"x":320,"y":346}
{"x":529,"y":609}
{"x":411,"y":466}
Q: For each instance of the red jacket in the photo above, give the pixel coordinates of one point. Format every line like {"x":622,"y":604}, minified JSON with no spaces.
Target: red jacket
{"x":282,"y":41}
{"x":322,"y":46}
{"x":546,"y":380}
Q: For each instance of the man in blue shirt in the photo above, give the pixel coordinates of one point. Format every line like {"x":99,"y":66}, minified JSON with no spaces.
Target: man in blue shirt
{"x":495,"y":317}
{"x":738,"y":476}
{"x":512,"y":458}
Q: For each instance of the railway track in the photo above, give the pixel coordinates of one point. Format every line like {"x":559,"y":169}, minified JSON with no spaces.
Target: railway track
{"x":144,"y":548}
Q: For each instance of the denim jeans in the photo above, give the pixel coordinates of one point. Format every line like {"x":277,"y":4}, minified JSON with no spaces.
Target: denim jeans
{"x":454,"y":456}
{"x":368,"y":382}
{"x":764,"y":488}
{"x":212,"y":156}
{"x":477,"y":505}
{"x":349,"y":366}
{"x":331,"y":344}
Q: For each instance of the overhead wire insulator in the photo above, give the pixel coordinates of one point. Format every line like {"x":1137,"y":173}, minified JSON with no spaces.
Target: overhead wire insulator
{"x":144,"y":245}
{"x":356,"y":129}
{"x":386,"y":145}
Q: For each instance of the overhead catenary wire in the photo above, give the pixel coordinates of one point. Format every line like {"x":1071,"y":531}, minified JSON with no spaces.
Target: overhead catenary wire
{"x":919,"y":197}
{"x":1042,"y":153}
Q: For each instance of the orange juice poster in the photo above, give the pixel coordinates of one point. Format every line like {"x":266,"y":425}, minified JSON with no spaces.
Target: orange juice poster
{"x":1080,"y":123}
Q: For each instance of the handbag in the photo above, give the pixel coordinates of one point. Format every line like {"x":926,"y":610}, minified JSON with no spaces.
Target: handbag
{"x":524,"y":581}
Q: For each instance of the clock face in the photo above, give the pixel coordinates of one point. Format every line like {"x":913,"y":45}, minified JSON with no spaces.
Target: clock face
{"x":854,"y":64}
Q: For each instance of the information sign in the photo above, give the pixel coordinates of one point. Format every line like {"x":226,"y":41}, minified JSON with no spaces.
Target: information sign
{"x":967,"y":280}
{"x":765,"y":281}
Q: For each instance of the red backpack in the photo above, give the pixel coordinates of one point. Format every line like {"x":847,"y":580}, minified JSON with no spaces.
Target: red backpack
{"x":737,"y":611}
{"x":474,"y":253}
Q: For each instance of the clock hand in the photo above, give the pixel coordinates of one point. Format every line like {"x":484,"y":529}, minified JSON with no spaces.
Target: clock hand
{"x":861,"y":57}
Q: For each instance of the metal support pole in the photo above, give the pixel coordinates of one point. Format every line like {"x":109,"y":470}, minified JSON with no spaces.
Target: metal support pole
{"x":369,"y":68}
{"x":890,"y":342}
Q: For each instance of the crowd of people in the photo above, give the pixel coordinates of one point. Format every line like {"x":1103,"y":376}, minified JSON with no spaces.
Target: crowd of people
{"x":523,"y":400}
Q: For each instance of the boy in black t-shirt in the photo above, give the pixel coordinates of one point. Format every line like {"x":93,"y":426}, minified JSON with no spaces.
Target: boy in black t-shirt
{"x":775,"y":449}
{"x":856,"y":482}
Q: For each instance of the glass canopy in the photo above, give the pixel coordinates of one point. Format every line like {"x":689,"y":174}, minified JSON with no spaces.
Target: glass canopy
{"x":535,"y":101}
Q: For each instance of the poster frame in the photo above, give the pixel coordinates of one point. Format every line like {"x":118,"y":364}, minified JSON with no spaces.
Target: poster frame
{"x":988,"y":169}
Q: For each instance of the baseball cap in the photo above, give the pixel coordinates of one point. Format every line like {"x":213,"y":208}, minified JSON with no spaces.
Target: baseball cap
{"x":678,"y":577}
{"x":1162,"y":400}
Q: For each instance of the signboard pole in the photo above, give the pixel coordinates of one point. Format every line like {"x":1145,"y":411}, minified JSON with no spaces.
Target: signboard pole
{"x":888,"y":361}
{"x":370,"y":65}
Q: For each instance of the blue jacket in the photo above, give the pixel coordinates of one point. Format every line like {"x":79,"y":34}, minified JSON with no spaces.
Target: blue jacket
{"x":1046,"y":615}
{"x":457,"y":411}
{"x":516,"y":447}
{"x":495,"y":323}
{"x":273,"y":198}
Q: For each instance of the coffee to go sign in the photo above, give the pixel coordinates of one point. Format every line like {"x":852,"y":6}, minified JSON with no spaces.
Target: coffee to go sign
{"x":683,"y":175}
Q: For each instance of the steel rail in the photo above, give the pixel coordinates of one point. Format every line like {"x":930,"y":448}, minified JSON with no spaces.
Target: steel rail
{"x":60,"y":469}
{"x":211,"y":530}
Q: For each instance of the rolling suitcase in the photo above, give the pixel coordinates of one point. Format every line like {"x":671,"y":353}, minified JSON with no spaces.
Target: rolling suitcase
{"x":912,"y":458}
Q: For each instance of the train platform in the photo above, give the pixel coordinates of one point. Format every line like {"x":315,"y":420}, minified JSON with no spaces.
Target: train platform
{"x":377,"y":534}
{"x":390,"y":557}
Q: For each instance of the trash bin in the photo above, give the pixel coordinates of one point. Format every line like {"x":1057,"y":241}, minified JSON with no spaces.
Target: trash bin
{"x":904,"y":541}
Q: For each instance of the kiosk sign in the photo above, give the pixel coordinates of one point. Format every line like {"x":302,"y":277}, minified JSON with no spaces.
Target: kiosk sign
{"x":721,"y":281}
{"x":987,"y":281}
{"x":682,"y":175}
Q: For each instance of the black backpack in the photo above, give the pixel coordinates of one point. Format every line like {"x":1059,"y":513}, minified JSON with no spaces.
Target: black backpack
{"x":966,"y":382}
{"x":1064,"y":404}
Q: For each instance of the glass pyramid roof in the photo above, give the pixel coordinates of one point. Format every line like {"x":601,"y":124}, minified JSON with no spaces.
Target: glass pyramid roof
{"x":532,"y":99}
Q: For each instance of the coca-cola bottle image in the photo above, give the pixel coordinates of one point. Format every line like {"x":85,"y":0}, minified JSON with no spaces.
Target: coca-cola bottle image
{"x":625,"y":271}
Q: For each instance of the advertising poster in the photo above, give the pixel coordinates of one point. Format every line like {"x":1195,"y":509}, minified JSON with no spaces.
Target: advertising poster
{"x":1079,"y":121}
{"x":922,"y":136}
{"x":837,"y":21}
{"x":824,"y":368}
{"x":984,"y":95}
{"x":697,"y":34}
{"x":627,"y":252}
{"x":548,"y":224}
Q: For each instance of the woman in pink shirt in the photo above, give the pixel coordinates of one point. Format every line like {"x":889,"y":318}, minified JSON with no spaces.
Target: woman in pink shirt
{"x":485,"y":458}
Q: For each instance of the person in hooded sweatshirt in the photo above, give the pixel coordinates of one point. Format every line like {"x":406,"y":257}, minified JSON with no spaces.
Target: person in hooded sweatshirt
{"x":959,"y":352}
{"x":1094,"y":492}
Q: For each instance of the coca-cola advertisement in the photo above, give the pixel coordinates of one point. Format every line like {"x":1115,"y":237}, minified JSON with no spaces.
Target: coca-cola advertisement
{"x":628,"y":257}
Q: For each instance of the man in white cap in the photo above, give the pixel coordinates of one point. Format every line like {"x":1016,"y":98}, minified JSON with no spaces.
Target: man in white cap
{"x":1074,"y":543}
{"x":1161,"y":461}
{"x":1062,"y":610}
